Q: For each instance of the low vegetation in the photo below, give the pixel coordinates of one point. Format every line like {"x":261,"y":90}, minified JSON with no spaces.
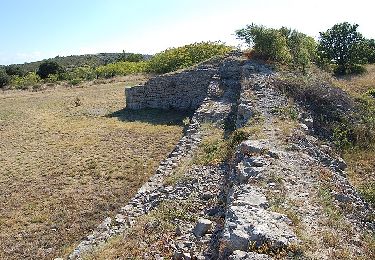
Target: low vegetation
{"x":50,"y":71}
{"x":178,"y":58}
{"x":341,"y":49}
{"x":282,"y":45}
{"x":69,"y":158}
{"x":152,"y":233}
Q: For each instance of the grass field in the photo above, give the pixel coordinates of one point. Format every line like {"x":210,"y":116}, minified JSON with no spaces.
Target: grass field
{"x":69,"y":158}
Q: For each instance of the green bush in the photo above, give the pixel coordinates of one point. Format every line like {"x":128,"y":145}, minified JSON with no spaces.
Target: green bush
{"x":282,"y":45}
{"x":267,"y":42}
{"x":82,"y":73}
{"x":4,"y":79}
{"x":344,"y":46}
{"x":14,"y":70}
{"x":121,"y":68}
{"x":370,"y":50}
{"x":302,"y":47}
{"x":31,"y":79}
{"x":131,"y":57}
{"x":49,"y":67}
{"x":186,"y":56}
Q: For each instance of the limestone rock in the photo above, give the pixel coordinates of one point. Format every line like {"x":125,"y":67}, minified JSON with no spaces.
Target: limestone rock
{"x":202,"y":227}
{"x":253,"y":147}
{"x":245,"y":171}
{"x":241,"y":255}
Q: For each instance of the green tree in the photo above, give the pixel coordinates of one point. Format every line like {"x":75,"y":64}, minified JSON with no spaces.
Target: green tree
{"x":282,"y":45}
{"x":131,"y":57}
{"x":49,"y":67}
{"x":344,"y":46}
{"x":269,"y":43}
{"x":370,"y":50}
{"x":14,"y":70}
{"x":4,"y":78}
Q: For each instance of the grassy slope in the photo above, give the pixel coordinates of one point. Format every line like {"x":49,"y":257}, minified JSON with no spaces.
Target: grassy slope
{"x":361,"y":162}
{"x":66,"y":167}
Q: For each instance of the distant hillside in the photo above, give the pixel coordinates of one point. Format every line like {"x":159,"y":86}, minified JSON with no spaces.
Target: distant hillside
{"x":72,"y":61}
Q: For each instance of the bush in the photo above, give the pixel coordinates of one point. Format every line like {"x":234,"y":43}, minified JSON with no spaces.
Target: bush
{"x":4,"y":79}
{"x":131,"y":57}
{"x":370,"y":50}
{"x":31,"y":79}
{"x":282,"y":45}
{"x":14,"y":70}
{"x":186,"y":56}
{"x":267,"y":42}
{"x":343,"y":46}
{"x":121,"y":68}
{"x":302,"y":47}
{"x":49,"y":67}
{"x":82,"y":73}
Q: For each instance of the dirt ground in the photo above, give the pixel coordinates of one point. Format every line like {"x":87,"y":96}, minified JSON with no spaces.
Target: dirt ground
{"x":69,"y":158}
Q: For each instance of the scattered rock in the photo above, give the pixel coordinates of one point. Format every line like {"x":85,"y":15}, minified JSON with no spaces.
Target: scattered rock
{"x":241,"y":255}
{"x":253,"y":147}
{"x":202,"y":227}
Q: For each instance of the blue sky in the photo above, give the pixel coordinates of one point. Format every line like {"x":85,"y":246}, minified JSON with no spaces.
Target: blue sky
{"x":37,"y":29}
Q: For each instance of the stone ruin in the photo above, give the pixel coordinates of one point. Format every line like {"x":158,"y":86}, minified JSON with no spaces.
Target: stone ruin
{"x":239,"y":218}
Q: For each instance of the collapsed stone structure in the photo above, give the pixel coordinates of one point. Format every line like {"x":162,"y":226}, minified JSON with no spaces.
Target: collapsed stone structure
{"x":185,"y":90}
{"x":233,"y":200}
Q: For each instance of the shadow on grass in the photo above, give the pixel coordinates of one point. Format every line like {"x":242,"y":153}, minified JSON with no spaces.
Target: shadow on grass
{"x":152,"y":116}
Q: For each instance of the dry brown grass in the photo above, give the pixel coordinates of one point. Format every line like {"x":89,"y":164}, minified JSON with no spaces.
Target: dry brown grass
{"x":150,"y":236}
{"x":358,"y":84}
{"x":65,"y":165}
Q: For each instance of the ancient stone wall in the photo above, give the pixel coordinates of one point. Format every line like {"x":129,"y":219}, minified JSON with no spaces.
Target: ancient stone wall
{"x":184,"y":90}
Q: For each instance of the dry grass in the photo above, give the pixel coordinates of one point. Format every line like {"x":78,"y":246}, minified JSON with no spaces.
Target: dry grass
{"x":358,"y":84}
{"x":65,"y":165}
{"x":150,"y":236}
{"x":361,"y":171}
{"x":361,"y":164}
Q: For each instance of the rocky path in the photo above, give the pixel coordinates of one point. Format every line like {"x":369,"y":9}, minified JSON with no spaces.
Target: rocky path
{"x":283,"y":194}
{"x":286,"y":192}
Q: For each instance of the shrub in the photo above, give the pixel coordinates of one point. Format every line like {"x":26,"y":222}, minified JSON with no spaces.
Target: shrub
{"x":14,"y":70}
{"x":344,"y":46}
{"x":267,"y":42}
{"x":370,"y":50}
{"x":4,"y":79}
{"x":302,"y":47}
{"x":131,"y":57}
{"x":48,"y":67}
{"x":282,"y":45}
{"x":52,"y":78}
{"x":121,"y":68}
{"x":82,"y":73}
{"x":186,"y":56}
{"x":29,"y":80}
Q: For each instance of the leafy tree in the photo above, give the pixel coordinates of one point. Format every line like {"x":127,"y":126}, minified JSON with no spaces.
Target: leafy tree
{"x":344,"y":46}
{"x":4,"y":78}
{"x":131,"y":57}
{"x":283,"y":45}
{"x":267,"y":42}
{"x":370,"y":50}
{"x":14,"y":70}
{"x":301,"y":47}
{"x":48,"y":67}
